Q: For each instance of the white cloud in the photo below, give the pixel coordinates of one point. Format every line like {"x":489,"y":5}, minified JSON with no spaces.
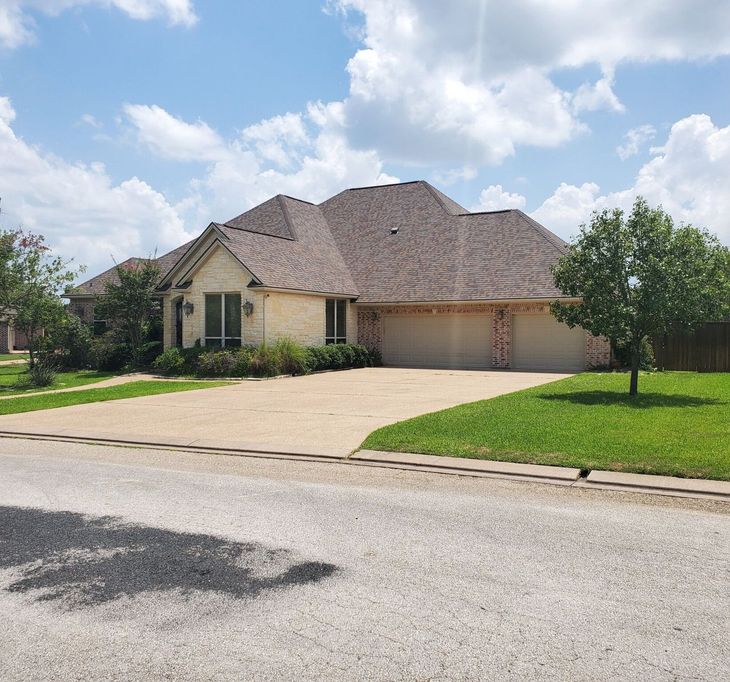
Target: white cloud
{"x":467,"y":82}
{"x":454,"y":175}
{"x":305,"y":155}
{"x":173,"y":138}
{"x":689,"y":176}
{"x":86,"y":215}
{"x":596,"y":96}
{"x":494,"y":198}
{"x":78,"y":208}
{"x":17,"y":25}
{"x":277,"y":139}
{"x":634,"y":139}
{"x":91,"y":121}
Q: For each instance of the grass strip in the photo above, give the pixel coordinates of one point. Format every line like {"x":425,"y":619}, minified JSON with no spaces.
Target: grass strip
{"x":133,"y":389}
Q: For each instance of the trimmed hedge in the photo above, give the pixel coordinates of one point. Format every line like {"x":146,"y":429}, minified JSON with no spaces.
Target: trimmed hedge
{"x":285,"y":356}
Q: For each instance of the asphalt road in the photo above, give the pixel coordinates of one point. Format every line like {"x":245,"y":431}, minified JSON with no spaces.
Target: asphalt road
{"x":134,"y":564}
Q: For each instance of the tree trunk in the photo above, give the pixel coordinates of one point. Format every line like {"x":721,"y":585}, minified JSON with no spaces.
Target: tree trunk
{"x":31,"y":350}
{"x":635,"y":360}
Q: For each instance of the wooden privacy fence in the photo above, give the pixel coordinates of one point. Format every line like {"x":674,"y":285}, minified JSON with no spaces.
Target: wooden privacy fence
{"x":707,"y":350}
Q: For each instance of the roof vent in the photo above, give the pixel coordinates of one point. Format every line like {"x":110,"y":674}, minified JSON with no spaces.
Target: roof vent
{"x":394,"y":230}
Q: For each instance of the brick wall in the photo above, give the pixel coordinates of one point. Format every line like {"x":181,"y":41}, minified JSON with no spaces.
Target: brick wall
{"x":370,"y":327}
{"x":501,"y":338}
{"x":5,"y":337}
{"x":598,"y":351}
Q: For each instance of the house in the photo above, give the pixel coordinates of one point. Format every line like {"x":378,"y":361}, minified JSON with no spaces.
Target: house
{"x":401,"y":268}
{"x":11,"y":338}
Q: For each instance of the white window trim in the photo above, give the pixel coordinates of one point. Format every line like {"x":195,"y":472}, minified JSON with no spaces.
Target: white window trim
{"x":223,"y":336}
{"x":334,"y":339}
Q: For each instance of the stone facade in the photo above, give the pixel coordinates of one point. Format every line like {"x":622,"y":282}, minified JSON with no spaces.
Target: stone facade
{"x":370,"y":327}
{"x":275,"y":314}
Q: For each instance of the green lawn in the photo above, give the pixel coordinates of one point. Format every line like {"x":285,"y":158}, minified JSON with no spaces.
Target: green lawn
{"x":133,"y":389}
{"x":678,"y":425}
{"x":13,"y":356}
{"x":11,"y":375}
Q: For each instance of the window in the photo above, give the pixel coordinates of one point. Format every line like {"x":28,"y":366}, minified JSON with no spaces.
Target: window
{"x":335,"y":321}
{"x":99,"y":327}
{"x":222,"y":320}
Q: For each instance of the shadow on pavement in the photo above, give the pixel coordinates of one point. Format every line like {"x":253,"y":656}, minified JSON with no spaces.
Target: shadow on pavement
{"x":84,"y":560}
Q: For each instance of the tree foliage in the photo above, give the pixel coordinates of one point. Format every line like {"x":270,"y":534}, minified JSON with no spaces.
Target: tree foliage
{"x":640,"y":276}
{"x":130,"y":305}
{"x":31,"y":281}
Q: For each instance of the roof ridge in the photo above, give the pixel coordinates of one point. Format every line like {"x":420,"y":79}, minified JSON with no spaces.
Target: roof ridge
{"x":546,"y":234}
{"x":260,"y":234}
{"x":432,"y":191}
{"x":289,"y":196}
{"x":497,"y":210}
{"x":385,"y":184}
{"x":287,"y":216}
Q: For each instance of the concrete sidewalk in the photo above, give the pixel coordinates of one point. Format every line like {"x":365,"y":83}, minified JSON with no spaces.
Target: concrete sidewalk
{"x":104,"y":383}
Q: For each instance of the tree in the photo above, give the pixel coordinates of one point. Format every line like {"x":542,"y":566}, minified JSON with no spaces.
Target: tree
{"x":642,"y":276}
{"x":130,"y":305}
{"x":31,"y":281}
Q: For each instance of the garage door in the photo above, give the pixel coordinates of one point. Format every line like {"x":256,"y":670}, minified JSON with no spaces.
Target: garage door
{"x":541,"y":342}
{"x":444,"y":341}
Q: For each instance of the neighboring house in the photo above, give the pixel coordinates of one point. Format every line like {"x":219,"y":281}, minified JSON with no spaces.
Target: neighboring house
{"x":11,"y":338}
{"x":400,"y":268}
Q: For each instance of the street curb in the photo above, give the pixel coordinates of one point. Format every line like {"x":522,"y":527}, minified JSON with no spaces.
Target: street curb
{"x":662,"y":485}
{"x":437,"y":464}
{"x":199,"y":445}
{"x":534,"y":472}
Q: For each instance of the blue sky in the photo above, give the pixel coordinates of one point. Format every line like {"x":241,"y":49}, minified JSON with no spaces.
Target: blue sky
{"x":127,"y":125}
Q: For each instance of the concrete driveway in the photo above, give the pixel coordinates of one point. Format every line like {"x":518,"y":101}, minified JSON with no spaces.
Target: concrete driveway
{"x":324,"y":414}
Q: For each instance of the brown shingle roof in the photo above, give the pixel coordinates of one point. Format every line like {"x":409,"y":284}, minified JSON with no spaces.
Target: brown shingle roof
{"x":307,"y":260}
{"x":440,"y":251}
{"x":390,"y":243}
{"x":97,"y":285}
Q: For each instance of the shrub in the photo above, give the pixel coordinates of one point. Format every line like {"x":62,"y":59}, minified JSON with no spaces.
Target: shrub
{"x":42,"y":373}
{"x":72,"y":341}
{"x":170,"y":362}
{"x":317,"y":358}
{"x":292,"y":358}
{"x":243,"y":361}
{"x":109,"y":355}
{"x":285,"y":356}
{"x":341,"y":356}
{"x":233,"y":362}
{"x":265,"y":362}
{"x":622,"y":353}
{"x":217,"y":364}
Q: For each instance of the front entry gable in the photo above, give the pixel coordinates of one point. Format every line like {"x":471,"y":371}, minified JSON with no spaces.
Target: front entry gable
{"x":212,"y":242}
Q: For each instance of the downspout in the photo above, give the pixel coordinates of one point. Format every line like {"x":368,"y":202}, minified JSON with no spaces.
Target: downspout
{"x":263,"y":324}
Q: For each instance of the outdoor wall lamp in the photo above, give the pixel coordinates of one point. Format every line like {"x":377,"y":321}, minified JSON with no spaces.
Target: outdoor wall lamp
{"x":188,"y":308}
{"x":247,"y":308}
